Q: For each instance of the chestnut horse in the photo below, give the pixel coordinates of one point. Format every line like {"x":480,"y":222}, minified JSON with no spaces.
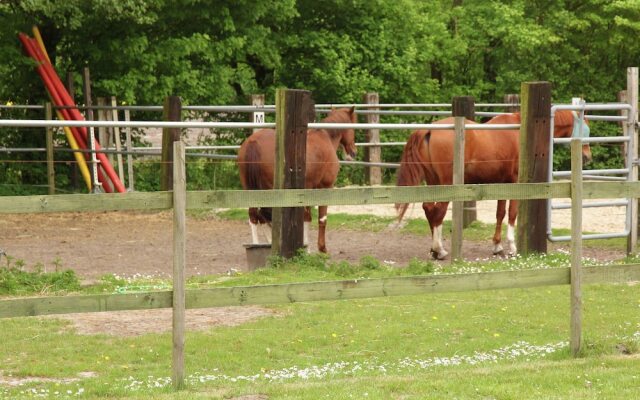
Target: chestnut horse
{"x":256,"y":164}
{"x":490,"y":156}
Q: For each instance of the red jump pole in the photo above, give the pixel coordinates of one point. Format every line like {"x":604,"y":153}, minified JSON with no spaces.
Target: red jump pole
{"x":30,"y":47}
{"x":62,"y":98}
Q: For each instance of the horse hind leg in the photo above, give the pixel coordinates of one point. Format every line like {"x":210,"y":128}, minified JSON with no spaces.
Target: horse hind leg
{"x":435,"y":213}
{"x":511,"y":229}
{"x":306,"y":226}
{"x":497,"y":236}
{"x":322,"y":228}
{"x":253,"y":224}
{"x":260,"y":225}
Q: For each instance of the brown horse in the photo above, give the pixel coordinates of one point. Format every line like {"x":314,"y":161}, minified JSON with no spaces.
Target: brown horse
{"x":256,"y":164}
{"x":490,"y":156}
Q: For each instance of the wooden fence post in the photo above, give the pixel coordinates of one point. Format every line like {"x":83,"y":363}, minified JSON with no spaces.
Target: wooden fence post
{"x":74,"y":167}
{"x":464,"y":106}
{"x":172,"y":111}
{"x":622,"y":98}
{"x":116,"y":138}
{"x":534,"y":164}
{"x":514,"y":101}
{"x":373,"y":154}
{"x":632,"y":130}
{"x":257,"y":117}
{"x":131,"y":183}
{"x":458,"y":179}
{"x":91,"y":139}
{"x":294,"y":110}
{"x":51,"y":174}
{"x":576,"y":246}
{"x":103,"y":132}
{"x":179,"y":257}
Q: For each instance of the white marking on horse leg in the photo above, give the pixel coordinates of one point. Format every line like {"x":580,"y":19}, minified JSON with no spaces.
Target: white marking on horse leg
{"x":323,"y":219}
{"x":436,"y":246}
{"x":265,"y":229}
{"x":497,"y":248}
{"x":305,"y":234}
{"x":511,"y":239}
{"x":254,"y":233}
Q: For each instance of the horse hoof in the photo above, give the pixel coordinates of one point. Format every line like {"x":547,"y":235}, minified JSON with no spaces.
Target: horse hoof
{"x":498,"y":250}
{"x":396,"y":225}
{"x":438,"y":255}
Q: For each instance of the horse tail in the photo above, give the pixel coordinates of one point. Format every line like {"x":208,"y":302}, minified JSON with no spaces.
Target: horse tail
{"x":251,"y":160}
{"x":412,"y":171}
{"x":252,"y":178}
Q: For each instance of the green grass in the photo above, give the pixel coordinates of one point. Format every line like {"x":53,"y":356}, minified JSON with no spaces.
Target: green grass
{"x":504,"y":344}
{"x":386,"y":338}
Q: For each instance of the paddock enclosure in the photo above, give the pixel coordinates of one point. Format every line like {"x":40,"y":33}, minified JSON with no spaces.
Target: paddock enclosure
{"x":179,"y":200}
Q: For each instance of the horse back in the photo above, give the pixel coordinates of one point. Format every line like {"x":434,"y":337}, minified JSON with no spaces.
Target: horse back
{"x":491,"y":156}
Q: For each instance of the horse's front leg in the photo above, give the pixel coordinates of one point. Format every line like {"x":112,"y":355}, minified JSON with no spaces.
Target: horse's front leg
{"x":322,"y":227}
{"x":435,"y":213}
{"x":497,"y":236}
{"x":511,"y":229}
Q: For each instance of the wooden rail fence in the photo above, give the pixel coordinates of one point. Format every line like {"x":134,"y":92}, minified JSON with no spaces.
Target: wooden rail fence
{"x":181,"y":200}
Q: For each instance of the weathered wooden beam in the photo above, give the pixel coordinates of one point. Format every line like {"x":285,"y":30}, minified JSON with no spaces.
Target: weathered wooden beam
{"x":81,"y":202}
{"x":458,"y":179}
{"x":514,"y":100}
{"x":257,"y":117}
{"x":575,"y":340}
{"x":632,"y":130}
{"x":317,"y":291}
{"x":172,"y":111}
{"x":51,"y":173}
{"x":465,"y":106}
{"x":534,"y":164}
{"x":294,"y":111}
{"x":90,"y":139}
{"x":127,"y":130}
{"x":310,"y":197}
{"x":179,"y":260}
{"x":374,"y":195}
{"x":113,"y":116}
{"x":372,"y":154}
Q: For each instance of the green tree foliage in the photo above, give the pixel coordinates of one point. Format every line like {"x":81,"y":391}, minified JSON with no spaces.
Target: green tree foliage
{"x":407,"y":50}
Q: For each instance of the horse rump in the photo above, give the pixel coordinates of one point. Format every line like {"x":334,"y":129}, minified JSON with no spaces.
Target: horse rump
{"x":253,"y":176}
{"x":412,"y":171}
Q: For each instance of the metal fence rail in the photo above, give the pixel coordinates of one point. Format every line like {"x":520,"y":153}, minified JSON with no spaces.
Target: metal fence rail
{"x":611,"y":174}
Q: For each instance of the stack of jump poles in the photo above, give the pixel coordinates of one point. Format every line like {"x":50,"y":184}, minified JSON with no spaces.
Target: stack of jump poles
{"x":77,"y":136}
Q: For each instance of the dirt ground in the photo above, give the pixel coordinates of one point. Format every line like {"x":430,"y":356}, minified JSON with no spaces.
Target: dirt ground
{"x":140,"y":244}
{"x":131,"y":244}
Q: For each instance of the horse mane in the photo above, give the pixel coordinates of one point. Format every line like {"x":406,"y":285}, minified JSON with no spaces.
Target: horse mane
{"x":411,"y":172}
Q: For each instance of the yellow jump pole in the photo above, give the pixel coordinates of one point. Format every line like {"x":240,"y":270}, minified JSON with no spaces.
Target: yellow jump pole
{"x":82,"y":163}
